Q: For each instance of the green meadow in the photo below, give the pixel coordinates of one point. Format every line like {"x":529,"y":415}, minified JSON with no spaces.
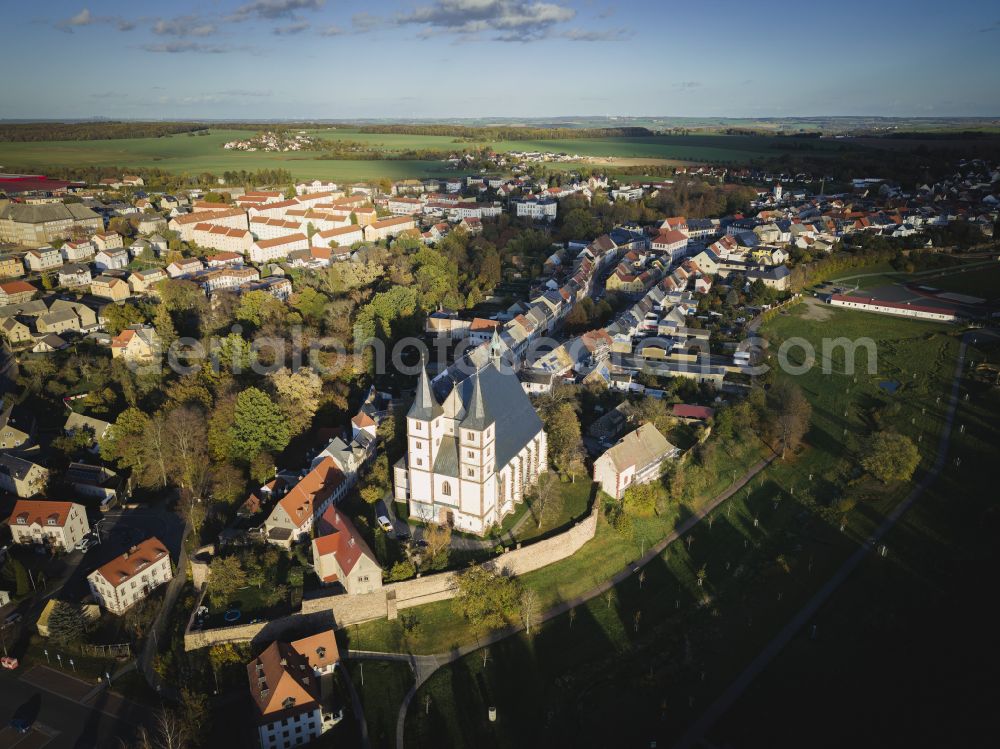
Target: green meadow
{"x":204,"y":153}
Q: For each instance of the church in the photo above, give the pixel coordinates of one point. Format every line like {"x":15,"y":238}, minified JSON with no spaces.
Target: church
{"x":474,"y":447}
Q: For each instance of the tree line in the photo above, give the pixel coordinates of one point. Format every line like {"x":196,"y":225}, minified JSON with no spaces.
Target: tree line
{"x":496,"y":133}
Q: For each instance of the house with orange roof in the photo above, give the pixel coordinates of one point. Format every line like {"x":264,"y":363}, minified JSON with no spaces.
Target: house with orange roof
{"x":389,"y":227}
{"x":340,"y":555}
{"x":285,"y":687}
{"x":131,"y":577}
{"x":47,"y":523}
{"x":268,"y":250}
{"x":293,"y":515}
{"x":16,"y":292}
{"x":137,"y":343}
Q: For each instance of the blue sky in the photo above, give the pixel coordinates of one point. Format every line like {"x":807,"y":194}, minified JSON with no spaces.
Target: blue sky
{"x":493,"y":58}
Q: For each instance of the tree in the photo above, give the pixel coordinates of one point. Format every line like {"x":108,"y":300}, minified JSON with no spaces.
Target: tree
{"x":529,"y":608}
{"x":788,"y":414}
{"x":228,"y":483}
{"x":164,"y":325}
{"x":125,"y":444}
{"x":891,"y":457}
{"x":438,"y":538}
{"x":546,"y":499}
{"x":403,"y":570}
{"x":120,"y":316}
{"x":187,"y":438}
{"x":562,"y":427}
{"x":195,"y":715}
{"x":258,"y":425}
{"x":226,"y":576}
{"x":298,"y":395}
{"x":640,"y":500}
{"x":487,"y":599}
{"x":67,"y":624}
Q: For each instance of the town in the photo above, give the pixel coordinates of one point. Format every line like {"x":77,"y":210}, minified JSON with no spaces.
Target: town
{"x":215,"y":521}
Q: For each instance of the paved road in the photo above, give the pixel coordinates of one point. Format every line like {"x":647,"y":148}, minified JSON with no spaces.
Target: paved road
{"x":717,"y":709}
{"x":66,"y":713}
{"x":425,"y":665}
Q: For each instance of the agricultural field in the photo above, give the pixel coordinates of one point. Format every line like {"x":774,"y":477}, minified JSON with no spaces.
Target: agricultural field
{"x":204,"y":153}
{"x":194,"y":154}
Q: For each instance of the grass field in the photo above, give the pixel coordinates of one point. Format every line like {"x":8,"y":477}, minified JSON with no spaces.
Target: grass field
{"x":906,"y":636}
{"x":194,"y":154}
{"x":381,"y":685}
{"x":657,"y":653}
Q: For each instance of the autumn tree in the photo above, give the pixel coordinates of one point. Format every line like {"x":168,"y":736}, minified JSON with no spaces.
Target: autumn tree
{"x":788,"y":415}
{"x":487,"y":599}
{"x":546,"y":499}
{"x":299,"y":396}
{"x":891,"y":457}
{"x":226,"y":577}
{"x":565,"y":446}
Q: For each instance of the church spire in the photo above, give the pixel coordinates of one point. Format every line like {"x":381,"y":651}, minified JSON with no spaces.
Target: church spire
{"x":425,"y":405}
{"x":477,"y":415}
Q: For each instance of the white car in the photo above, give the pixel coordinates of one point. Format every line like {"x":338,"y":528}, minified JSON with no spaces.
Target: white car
{"x":84,"y":543}
{"x":384,"y":523}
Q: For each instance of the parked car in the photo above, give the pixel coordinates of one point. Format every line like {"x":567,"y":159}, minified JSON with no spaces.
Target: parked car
{"x":12,"y":619}
{"x":84,"y":543}
{"x":8,"y":662}
{"x":384,"y":523}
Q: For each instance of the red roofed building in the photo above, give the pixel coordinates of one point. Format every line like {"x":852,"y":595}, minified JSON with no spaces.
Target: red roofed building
{"x":673,"y":242}
{"x":692,"y":413}
{"x":340,"y":555}
{"x":59,"y":525}
{"x":129,"y":578}
{"x":903,"y":309}
{"x":285,"y":687}
{"x":16,"y":292}
{"x":293,"y":515}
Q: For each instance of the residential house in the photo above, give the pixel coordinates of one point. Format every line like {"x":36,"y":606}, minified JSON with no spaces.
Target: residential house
{"x":637,"y":458}
{"x":131,"y":577}
{"x":43,"y":259}
{"x":268,"y":250}
{"x":74,"y":274}
{"x":149,"y":223}
{"x":15,"y":292}
{"x":58,"y":526}
{"x":11,"y":435}
{"x":11,"y":266}
{"x":16,"y":329}
{"x":293,"y":515}
{"x":222,"y":238}
{"x":137,"y":343}
{"x":340,"y":555}
{"x":96,"y":429}
{"x":389,"y":227}
{"x":21,"y":476}
{"x":537,"y":210}
{"x":342,"y":237}
{"x":107,"y":241}
{"x":234,"y":218}
{"x":285,"y":686}
{"x":226,"y":278}
{"x":184,"y":267}
{"x":144,"y":281}
{"x":110,"y":287}
{"x":672,"y":242}
{"x":76,"y":252}
{"x":111,"y":259}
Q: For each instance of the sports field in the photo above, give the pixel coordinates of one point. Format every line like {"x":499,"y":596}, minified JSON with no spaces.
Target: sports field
{"x":204,"y":153}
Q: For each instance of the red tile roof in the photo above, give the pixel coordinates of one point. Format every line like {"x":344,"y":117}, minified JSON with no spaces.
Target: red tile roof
{"x":339,"y":537}
{"x":40,"y":511}
{"x":133,"y":561}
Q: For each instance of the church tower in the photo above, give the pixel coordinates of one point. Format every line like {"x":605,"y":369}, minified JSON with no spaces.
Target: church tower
{"x":423,"y":428}
{"x":476,"y":438}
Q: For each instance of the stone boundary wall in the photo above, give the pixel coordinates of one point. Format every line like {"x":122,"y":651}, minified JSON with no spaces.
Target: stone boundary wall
{"x":339,"y":611}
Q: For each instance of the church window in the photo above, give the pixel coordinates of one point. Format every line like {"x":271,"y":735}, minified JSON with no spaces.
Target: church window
{"x":418,"y":426}
{"x":470,"y":454}
{"x":469,"y":472}
{"x":446,"y":489}
{"x":418,"y":444}
{"x":420,"y":462}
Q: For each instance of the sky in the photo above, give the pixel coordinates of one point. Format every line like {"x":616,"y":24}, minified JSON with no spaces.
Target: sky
{"x":343,"y":59}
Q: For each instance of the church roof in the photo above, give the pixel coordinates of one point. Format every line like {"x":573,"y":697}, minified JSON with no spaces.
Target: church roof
{"x":424,"y":405}
{"x":506,"y":403}
{"x":477,"y":415}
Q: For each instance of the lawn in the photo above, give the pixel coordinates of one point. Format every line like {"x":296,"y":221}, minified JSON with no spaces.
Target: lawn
{"x":658,"y":653}
{"x":906,"y":635}
{"x":385,"y":683}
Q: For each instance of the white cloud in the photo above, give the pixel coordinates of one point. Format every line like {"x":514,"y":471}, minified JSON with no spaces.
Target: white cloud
{"x":183,"y":26}
{"x":291,"y":29}
{"x":506,"y":20}
{"x":610,"y":35}
{"x":272,"y":9}
{"x":175,"y":48}
{"x":83,"y":18}
{"x":332,"y":31}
